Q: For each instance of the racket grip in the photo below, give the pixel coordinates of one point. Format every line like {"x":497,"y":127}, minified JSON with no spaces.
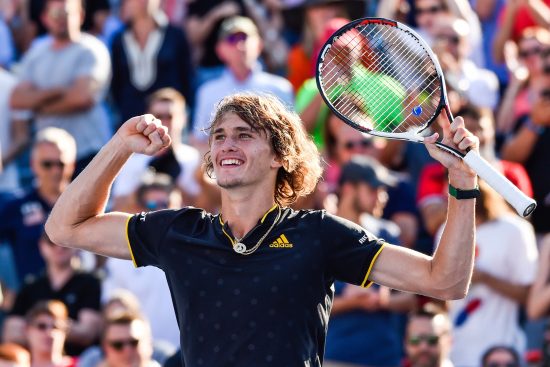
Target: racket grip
{"x":523,"y":204}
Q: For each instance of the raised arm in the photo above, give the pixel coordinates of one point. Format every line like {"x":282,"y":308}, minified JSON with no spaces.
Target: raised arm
{"x":447,"y":274}
{"x":78,"y":218}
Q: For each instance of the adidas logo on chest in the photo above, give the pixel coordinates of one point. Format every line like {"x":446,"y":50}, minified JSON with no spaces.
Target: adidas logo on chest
{"x":281,"y":242}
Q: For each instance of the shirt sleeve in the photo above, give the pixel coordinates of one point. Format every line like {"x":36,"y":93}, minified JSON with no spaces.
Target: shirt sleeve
{"x":146,"y":234}
{"x":350,"y":250}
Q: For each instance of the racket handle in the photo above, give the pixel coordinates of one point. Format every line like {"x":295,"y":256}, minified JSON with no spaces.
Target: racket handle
{"x":523,"y":204}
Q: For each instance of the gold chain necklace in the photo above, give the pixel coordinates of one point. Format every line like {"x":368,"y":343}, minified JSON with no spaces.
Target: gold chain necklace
{"x":240,"y":247}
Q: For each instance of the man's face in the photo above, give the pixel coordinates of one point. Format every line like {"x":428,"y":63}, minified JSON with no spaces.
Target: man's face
{"x":501,"y":358}
{"x":448,"y":40}
{"x":427,"y":12}
{"x":424,"y":344}
{"x":167,"y":112}
{"x":51,"y":167}
{"x":126,"y":345}
{"x":46,"y":334}
{"x":349,"y":141}
{"x":56,"y":255}
{"x":241,"y":156}
{"x":367,"y":199}
{"x":239,"y":49}
{"x":62,"y":17}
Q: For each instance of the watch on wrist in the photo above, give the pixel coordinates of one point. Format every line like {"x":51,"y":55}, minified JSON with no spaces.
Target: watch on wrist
{"x":464,"y":194}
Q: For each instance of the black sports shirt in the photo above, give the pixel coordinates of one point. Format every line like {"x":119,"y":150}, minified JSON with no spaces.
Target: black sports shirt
{"x":270,"y":308}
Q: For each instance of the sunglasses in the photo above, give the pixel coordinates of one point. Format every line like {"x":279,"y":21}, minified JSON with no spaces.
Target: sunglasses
{"x":430,"y":10}
{"x":432,"y":340}
{"x":50,"y":164}
{"x":164,"y":116}
{"x":154,"y":205}
{"x":45,"y":326}
{"x":119,"y":345}
{"x":350,"y":145}
{"x":235,"y":38}
{"x":501,"y":364}
{"x":526,"y":53}
{"x":453,"y":39}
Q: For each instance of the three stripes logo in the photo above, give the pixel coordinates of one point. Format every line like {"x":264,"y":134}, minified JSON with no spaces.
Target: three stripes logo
{"x":281,"y":242}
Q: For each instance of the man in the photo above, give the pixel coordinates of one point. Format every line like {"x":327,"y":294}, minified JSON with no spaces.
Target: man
{"x":126,"y":341}
{"x":22,"y":220}
{"x":251,"y":286}
{"x":79,"y":291}
{"x":180,"y":161}
{"x":363,"y":319}
{"x":239,"y":46}
{"x":64,"y":79}
{"x":428,"y":340}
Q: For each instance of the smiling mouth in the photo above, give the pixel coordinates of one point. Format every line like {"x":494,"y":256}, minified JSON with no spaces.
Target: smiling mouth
{"x":230,"y":162}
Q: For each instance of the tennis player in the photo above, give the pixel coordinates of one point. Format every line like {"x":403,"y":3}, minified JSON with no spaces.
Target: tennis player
{"x":252,"y":285}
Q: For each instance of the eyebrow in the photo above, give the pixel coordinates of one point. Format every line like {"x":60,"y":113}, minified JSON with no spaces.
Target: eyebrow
{"x":238,"y":128}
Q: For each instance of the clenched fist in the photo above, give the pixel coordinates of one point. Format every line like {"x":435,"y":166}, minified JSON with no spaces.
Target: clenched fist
{"x":144,"y":134}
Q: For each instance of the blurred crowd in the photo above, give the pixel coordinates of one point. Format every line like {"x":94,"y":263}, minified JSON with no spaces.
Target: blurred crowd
{"x":72,"y":71}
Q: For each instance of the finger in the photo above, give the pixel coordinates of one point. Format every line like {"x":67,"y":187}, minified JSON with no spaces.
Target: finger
{"x":431,"y":139}
{"x":151,"y":127}
{"x":460,"y":134}
{"x":457,"y":123}
{"x":469,"y":142}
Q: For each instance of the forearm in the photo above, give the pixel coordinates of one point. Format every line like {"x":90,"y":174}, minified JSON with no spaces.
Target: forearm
{"x":69,"y":102}
{"x":520,"y":146}
{"x":343,"y":305}
{"x":510,"y":290}
{"x":310,"y":113}
{"x":20,"y":140}
{"x":86,"y":330}
{"x":86,"y":197}
{"x":401,"y":302}
{"x":505,"y":115}
{"x":540,"y":12}
{"x":504,"y":33}
{"x":452,"y":263}
{"x":32,"y":98}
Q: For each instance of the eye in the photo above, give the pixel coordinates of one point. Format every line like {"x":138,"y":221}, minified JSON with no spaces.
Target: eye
{"x":219,"y":137}
{"x":245,"y":136}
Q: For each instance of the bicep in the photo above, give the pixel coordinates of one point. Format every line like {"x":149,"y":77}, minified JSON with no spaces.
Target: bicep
{"x":104,"y":234}
{"x":402,"y":269}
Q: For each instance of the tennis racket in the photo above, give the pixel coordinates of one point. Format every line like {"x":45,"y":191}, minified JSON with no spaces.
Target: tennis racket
{"x":381,"y":78}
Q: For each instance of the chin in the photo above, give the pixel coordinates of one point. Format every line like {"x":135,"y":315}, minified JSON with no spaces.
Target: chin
{"x":230,"y":184}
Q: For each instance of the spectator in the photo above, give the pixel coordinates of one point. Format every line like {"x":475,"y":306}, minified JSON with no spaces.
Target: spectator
{"x":529,"y":145}
{"x":63,"y":281}
{"x":14,"y":136}
{"x":126,"y":341}
{"x":46,"y":332}
{"x":203,"y":27}
{"x":501,"y":356}
{"x":239,"y":46}
{"x":148,"y":284}
{"x":22,"y":219}
{"x":64,"y":78}
{"x":450,"y":43}
{"x":14,"y":355}
{"x":428,"y":339}
{"x":148,"y":54}
{"x":7,"y":51}
{"x":180,"y":161}
{"x":505,"y":268}
{"x":362,"y":318}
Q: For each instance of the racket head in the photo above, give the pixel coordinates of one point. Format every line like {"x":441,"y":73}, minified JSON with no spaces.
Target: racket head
{"x":380,"y":77}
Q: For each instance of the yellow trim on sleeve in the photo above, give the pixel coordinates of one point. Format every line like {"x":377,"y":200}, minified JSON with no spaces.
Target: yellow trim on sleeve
{"x":128,"y":242}
{"x":366,"y":283}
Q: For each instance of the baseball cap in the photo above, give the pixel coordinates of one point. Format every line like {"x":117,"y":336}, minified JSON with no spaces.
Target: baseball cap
{"x":368,"y":170}
{"x":237,"y":24}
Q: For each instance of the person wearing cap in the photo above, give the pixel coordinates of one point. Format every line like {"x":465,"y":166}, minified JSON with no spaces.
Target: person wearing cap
{"x":239,"y":46}
{"x":364,"y":318}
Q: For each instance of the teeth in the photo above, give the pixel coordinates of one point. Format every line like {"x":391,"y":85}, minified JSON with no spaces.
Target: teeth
{"x":231,"y":162}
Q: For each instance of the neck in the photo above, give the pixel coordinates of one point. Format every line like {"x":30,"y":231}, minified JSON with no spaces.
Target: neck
{"x":241,"y":73}
{"x":346,"y":209}
{"x":72,"y":36}
{"x":242,"y":211}
{"x":59,"y":275}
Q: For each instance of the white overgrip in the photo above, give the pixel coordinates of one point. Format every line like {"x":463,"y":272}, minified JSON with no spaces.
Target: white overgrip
{"x":523,"y":204}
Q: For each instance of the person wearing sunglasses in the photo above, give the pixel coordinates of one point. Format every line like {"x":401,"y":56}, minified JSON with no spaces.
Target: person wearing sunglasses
{"x":46,"y":331}
{"x":53,"y":156}
{"x":126,"y":342}
{"x":427,"y":338}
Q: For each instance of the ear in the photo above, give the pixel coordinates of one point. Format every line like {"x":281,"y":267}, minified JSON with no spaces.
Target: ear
{"x":276,"y":162}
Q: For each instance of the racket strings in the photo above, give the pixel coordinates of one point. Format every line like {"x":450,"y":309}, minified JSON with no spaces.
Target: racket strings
{"x":401,"y":66}
{"x":382,"y":45}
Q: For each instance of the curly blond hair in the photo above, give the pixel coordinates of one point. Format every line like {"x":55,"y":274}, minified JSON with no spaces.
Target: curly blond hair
{"x":301,"y":164}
